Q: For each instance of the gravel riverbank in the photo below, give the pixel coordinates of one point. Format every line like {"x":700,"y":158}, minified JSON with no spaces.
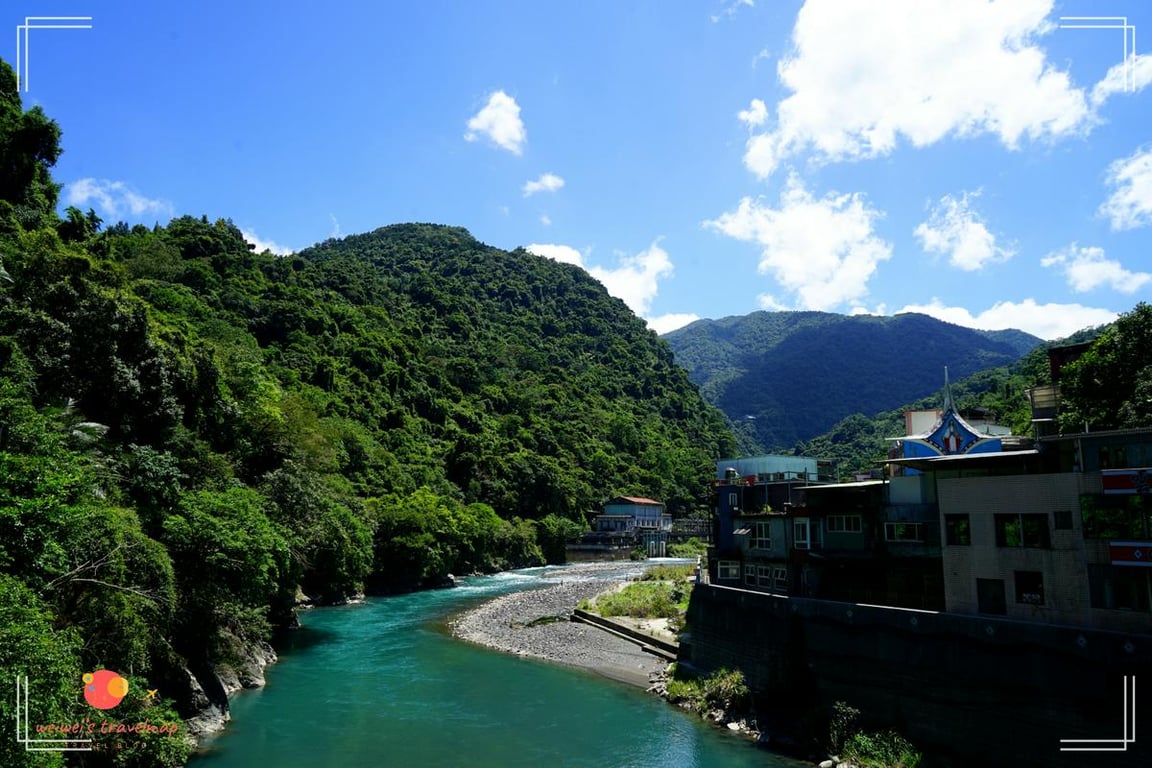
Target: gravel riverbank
{"x":535,"y":623}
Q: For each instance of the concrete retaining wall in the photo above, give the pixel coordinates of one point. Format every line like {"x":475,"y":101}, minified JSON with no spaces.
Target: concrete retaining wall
{"x":991,"y":691}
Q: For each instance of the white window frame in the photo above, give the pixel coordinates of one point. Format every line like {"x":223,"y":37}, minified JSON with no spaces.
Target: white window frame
{"x":728,"y":569}
{"x":750,"y":575}
{"x":806,"y":541}
{"x":890,"y":532}
{"x":758,"y":541}
{"x":845,"y":524}
{"x":780,"y":577}
{"x":764,"y":576}
{"x":732,"y":504}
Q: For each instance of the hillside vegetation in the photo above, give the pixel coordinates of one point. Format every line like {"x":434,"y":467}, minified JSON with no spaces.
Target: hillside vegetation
{"x":190,"y":431}
{"x":785,"y":377}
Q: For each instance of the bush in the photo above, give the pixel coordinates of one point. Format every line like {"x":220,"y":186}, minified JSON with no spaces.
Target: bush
{"x":724,"y":689}
{"x":691,"y":548}
{"x":886,"y":749}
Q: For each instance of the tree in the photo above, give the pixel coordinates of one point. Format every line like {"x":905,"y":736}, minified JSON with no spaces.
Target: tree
{"x":1110,"y":385}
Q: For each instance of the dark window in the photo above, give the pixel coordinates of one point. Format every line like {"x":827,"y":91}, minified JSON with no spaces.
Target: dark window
{"x":1115,"y":517}
{"x":902,"y":532}
{"x":1022,"y":531}
{"x":1062,"y":519}
{"x":957,"y":530}
{"x":990,"y":596}
{"x":1119,"y":588}
{"x":1030,"y":587}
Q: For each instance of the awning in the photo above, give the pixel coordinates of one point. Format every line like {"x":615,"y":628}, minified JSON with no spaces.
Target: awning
{"x":742,"y":532}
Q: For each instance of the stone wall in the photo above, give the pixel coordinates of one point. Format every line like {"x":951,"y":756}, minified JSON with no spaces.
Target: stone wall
{"x":987,"y":691}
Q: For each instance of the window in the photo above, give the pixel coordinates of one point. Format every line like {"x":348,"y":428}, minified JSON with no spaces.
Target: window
{"x":1062,"y":519}
{"x":957,"y":530}
{"x":1030,"y":587}
{"x":990,"y":597}
{"x":1115,"y":517}
{"x":732,"y":501}
{"x":1023,"y":531}
{"x":902,"y":532}
{"x":763,"y":576}
{"x":845,"y":524}
{"x":750,"y":575}
{"x":762,"y":535}
{"x":801,"y":531}
{"x":728,"y":569}
{"x":1119,"y":588}
{"x":780,"y":577}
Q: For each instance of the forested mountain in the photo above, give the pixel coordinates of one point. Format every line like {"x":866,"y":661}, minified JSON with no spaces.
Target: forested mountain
{"x":783,"y":377}
{"x":191,"y":431}
{"x":857,"y":442}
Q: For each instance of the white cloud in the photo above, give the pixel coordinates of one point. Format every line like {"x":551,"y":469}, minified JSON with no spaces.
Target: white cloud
{"x":265,"y":245}
{"x":865,"y":75}
{"x":763,"y":54}
{"x":114,"y":199}
{"x":822,"y":250}
{"x":335,"y":232}
{"x":670,"y":322}
{"x":563,"y":253}
{"x":548,"y":182}
{"x":1048,"y":321}
{"x":635,"y":280}
{"x":732,"y":8}
{"x":1086,"y":268}
{"x":545,"y":220}
{"x":1132,"y":77}
{"x":955,"y":229}
{"x":500,"y":121}
{"x":755,"y":115}
{"x":1130,"y":204}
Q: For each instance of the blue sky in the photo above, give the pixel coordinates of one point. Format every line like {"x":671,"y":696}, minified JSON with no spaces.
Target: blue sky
{"x":972,"y":160}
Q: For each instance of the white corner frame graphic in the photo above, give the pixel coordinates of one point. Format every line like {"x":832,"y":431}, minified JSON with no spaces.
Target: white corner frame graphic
{"x":35,"y":22}
{"x":1110,"y":22}
{"x":24,"y":728}
{"x":1112,"y":745}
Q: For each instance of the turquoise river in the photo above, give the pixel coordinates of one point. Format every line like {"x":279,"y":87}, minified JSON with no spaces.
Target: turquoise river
{"x":383,"y":683}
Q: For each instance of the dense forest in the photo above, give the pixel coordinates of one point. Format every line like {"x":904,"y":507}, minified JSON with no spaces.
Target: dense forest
{"x":191,"y":432}
{"x":784,"y":377}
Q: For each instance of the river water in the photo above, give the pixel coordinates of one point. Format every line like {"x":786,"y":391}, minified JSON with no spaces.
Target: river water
{"x":382,"y":683}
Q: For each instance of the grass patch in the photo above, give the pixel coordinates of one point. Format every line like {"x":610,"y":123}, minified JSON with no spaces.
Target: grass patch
{"x":885,"y":749}
{"x":646,"y":600}
{"x":691,"y":548}
{"x":669,"y":573}
{"x":724,"y":689}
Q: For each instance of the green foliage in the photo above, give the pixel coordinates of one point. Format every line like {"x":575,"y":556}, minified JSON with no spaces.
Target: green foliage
{"x":842,"y":725}
{"x":884,"y":749}
{"x":724,"y":689}
{"x":553,"y":533}
{"x":30,"y":646}
{"x":646,"y":600}
{"x":1110,"y":385}
{"x":694,"y":547}
{"x":668,"y":573}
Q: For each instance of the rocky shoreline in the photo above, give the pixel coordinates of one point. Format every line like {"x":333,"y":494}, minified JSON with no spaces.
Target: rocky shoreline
{"x":536,"y":623}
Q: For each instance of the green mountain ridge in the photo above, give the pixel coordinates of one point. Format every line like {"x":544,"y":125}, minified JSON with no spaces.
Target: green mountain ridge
{"x":192,"y":432}
{"x":785,"y":377}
